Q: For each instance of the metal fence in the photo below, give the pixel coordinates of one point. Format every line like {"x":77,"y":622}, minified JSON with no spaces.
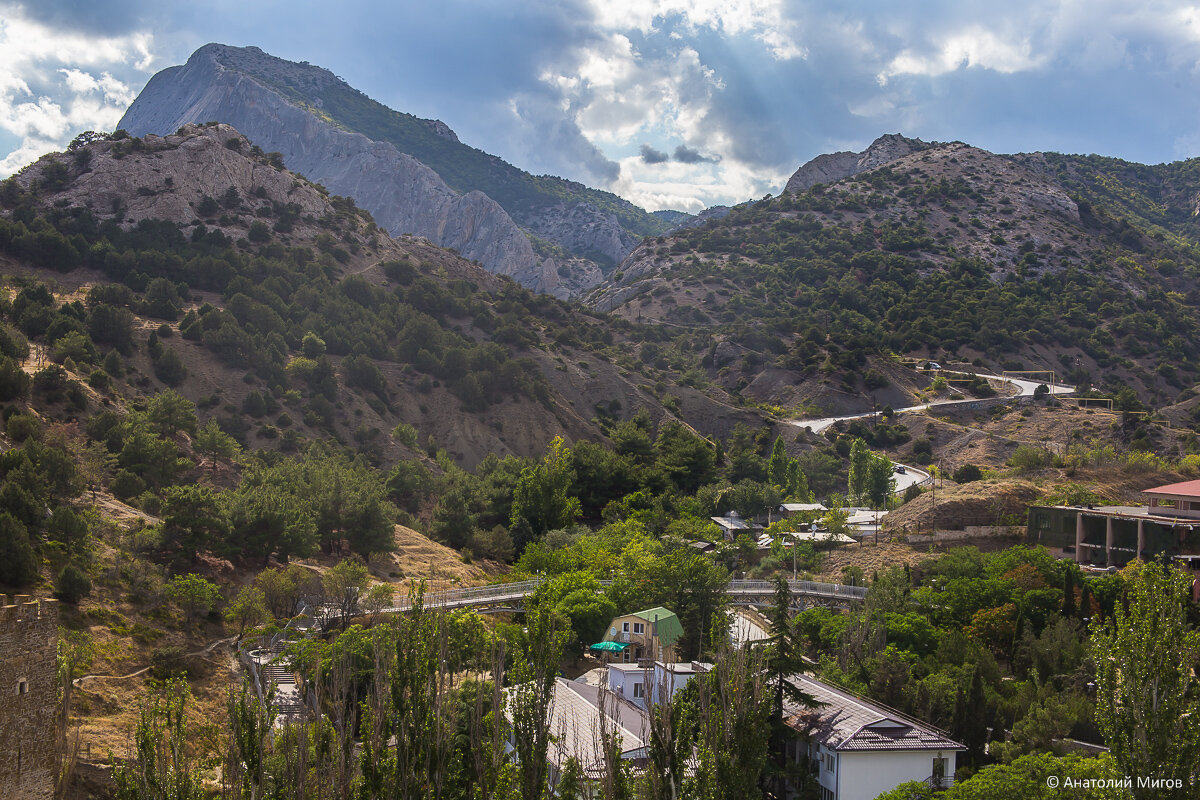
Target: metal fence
{"x":486,"y":595}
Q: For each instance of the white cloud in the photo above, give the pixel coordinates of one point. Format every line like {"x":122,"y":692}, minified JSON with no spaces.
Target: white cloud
{"x":54,"y":84}
{"x":764,"y":20}
{"x":693,"y":187}
{"x":973,"y":47}
{"x":620,"y":97}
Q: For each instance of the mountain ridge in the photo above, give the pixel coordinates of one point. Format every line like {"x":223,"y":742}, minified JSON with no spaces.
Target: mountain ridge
{"x":311,"y":117}
{"x":941,"y":251}
{"x":252,"y":256}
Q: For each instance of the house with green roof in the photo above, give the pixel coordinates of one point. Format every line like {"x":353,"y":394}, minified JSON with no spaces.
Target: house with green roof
{"x":649,"y":634}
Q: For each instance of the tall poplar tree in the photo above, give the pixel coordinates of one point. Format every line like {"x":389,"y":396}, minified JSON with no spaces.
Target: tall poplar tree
{"x":1146,"y":704}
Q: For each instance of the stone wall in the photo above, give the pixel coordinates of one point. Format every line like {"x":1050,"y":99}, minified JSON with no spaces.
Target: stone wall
{"x":969,"y":534}
{"x":28,"y":697}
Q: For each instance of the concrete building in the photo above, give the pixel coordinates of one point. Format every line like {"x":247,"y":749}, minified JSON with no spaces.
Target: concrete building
{"x":642,"y":684}
{"x":1112,"y":536}
{"x":858,"y":749}
{"x":28,"y":697}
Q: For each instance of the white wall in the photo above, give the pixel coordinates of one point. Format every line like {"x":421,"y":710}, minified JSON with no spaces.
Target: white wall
{"x":866,"y":775}
{"x":622,"y":682}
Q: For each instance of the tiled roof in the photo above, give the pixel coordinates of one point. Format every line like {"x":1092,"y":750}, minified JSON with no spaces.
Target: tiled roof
{"x":845,"y":722}
{"x":1188,"y":488}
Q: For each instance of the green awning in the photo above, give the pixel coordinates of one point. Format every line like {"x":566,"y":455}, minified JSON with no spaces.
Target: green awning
{"x":609,"y":647}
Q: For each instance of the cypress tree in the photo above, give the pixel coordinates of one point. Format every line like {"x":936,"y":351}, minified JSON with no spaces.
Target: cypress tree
{"x":1068,"y":606}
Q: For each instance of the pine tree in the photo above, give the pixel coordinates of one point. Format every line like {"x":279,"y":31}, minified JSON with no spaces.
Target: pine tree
{"x":784,"y":658}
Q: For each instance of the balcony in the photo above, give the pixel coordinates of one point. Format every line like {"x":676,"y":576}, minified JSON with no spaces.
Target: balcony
{"x":939,"y":781}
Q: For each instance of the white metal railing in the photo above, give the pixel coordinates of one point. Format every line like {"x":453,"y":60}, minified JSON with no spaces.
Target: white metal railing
{"x":475,"y":595}
{"x":483,"y":595}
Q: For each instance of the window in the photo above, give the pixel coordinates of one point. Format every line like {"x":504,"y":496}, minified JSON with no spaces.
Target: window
{"x":639,"y":627}
{"x":22,"y":686}
{"x":639,"y":690}
{"x":940,"y":766}
{"x":625,"y":627}
{"x":826,"y":794}
{"x":830,"y":762}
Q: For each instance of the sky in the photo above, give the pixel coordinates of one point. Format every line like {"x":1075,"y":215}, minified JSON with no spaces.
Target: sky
{"x":668,"y":103}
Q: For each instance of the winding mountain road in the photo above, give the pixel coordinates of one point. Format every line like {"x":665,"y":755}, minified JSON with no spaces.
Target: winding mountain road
{"x":1025,"y":388}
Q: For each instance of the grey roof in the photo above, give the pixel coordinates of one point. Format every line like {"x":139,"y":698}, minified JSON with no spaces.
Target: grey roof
{"x":733,"y":522}
{"x":575,"y":717}
{"x":846,"y":722}
{"x":796,"y":507}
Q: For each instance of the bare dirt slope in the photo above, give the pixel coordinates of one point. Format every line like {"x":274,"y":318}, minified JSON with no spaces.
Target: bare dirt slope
{"x":418,"y":557}
{"x":990,"y":502}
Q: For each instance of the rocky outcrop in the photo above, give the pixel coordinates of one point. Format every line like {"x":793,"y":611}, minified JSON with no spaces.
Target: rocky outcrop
{"x":582,"y":228}
{"x":192,"y":164}
{"x":825,"y":168}
{"x":833,"y":167}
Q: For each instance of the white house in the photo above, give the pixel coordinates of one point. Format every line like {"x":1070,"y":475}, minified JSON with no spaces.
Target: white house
{"x":859,"y":750}
{"x":642,"y":685}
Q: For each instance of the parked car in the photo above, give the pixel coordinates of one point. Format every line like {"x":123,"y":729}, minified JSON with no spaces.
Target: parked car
{"x":901,"y":470}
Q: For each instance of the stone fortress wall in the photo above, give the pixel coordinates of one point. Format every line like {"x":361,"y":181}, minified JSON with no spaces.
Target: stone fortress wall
{"x":28,"y":697}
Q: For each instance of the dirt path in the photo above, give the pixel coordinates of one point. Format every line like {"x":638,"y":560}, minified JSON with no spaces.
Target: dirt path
{"x":123,"y":512}
{"x":203,"y":652}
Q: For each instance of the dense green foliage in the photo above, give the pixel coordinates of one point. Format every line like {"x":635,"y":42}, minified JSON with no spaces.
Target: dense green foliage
{"x":1147,"y":707}
{"x":794,"y":282}
{"x":978,"y":644}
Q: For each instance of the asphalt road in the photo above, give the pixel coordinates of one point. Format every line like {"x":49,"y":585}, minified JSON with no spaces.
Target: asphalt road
{"x":910,"y":477}
{"x":1024,"y":389}
{"x":743,"y":629}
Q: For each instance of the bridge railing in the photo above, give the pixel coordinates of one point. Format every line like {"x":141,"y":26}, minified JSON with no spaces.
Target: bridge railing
{"x":472,"y":595}
{"x":798,"y":587}
{"x":481,"y":595}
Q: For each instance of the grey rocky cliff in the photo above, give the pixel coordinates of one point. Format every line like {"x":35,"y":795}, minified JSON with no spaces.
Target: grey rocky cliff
{"x":582,"y":228}
{"x":833,"y":167}
{"x":403,"y":195}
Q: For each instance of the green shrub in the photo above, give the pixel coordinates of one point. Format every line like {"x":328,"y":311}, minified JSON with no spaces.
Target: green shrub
{"x":1028,"y":458}
{"x":21,"y":427}
{"x":168,"y":661}
{"x":72,"y":584}
{"x":967,"y":473}
{"x":126,"y":485}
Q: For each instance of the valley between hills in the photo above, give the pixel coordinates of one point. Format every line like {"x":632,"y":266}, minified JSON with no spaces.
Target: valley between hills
{"x":276,"y":360}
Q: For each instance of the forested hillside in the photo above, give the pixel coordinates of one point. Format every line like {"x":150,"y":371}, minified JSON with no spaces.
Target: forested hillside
{"x":950,"y":253}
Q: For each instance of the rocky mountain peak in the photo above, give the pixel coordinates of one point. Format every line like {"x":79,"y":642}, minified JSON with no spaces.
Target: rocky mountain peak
{"x":832,"y":167}
{"x":412,"y":174}
{"x":888,"y":148}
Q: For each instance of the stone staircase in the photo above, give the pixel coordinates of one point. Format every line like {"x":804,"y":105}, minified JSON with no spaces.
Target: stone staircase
{"x":278,"y":675}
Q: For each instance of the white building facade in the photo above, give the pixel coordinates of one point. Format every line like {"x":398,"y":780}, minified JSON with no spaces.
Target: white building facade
{"x":858,"y":750}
